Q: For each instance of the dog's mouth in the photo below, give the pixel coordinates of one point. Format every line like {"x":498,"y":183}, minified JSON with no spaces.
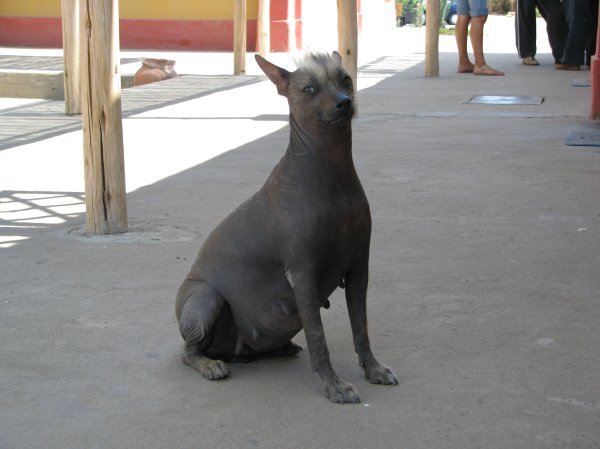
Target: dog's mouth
{"x":338,"y":118}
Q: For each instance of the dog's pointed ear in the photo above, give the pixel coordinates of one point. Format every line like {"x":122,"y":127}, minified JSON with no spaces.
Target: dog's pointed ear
{"x":279,"y":76}
{"x":336,"y":57}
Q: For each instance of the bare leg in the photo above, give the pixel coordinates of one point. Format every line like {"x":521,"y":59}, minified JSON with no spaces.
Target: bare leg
{"x":461,"y":31}
{"x":481,"y":67}
{"x":477,"y":24}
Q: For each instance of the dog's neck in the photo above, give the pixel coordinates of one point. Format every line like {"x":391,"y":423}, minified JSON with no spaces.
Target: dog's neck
{"x":329,"y":144}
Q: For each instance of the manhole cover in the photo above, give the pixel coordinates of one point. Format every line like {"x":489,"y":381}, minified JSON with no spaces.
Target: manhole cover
{"x":581,"y":83}
{"x":583,"y":138}
{"x":504,"y":99}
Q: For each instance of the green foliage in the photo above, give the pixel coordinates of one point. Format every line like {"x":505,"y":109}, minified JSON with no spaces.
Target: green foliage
{"x":412,"y":4}
{"x":500,"y":6}
{"x":447,"y":31}
{"x":413,"y":11}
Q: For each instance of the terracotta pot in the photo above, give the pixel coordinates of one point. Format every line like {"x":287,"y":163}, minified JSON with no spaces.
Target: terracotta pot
{"x":153,"y":70}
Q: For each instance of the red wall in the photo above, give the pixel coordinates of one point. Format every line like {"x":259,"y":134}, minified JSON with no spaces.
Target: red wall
{"x":200,"y":35}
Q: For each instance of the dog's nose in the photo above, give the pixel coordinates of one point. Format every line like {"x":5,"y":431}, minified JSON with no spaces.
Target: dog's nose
{"x":344,"y":102}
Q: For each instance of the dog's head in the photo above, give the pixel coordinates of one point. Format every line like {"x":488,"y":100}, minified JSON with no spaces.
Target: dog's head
{"x":320,"y":92}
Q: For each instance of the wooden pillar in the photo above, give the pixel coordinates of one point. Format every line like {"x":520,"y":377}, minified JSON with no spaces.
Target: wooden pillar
{"x":239,"y":37}
{"x":70,"y":37}
{"x":347,"y":22}
{"x":106,"y":208}
{"x":263,"y":34}
{"x":432,"y":38}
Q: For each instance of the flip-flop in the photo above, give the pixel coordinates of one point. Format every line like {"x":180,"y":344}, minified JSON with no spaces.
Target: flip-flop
{"x":465,"y":70}
{"x":486,"y":70}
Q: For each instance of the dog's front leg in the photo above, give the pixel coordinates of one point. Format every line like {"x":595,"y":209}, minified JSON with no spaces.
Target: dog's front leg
{"x":308,"y":303}
{"x":356,"y":282}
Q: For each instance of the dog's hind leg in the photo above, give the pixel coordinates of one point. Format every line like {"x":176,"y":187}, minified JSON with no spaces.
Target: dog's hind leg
{"x":206,"y":325}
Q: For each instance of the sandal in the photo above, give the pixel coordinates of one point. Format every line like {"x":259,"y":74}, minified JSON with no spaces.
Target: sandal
{"x":486,"y":70}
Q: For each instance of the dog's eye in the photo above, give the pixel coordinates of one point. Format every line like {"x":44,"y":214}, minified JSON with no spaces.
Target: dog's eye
{"x":310,"y":90}
{"x":347,"y":82}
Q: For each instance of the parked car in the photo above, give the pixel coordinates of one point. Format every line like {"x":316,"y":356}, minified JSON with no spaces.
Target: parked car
{"x":451,"y":13}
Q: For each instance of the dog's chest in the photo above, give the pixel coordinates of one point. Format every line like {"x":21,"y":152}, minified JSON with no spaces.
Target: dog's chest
{"x":320,"y":207}
{"x":334,"y":226}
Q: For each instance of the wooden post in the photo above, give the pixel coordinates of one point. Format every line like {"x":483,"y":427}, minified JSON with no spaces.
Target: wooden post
{"x":239,"y":37}
{"x":432,"y":38}
{"x":347,"y":22}
{"x":263,"y":34}
{"x":70,"y":37}
{"x":105,"y":202}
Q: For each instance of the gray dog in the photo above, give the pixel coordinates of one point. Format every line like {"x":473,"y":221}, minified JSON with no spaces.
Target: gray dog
{"x":265,"y":271}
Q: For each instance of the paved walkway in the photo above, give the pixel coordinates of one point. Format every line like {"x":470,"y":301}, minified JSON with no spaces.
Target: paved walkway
{"x":484,"y":289}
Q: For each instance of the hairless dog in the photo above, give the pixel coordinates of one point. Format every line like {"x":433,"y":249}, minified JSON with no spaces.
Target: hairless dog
{"x":266,"y":270}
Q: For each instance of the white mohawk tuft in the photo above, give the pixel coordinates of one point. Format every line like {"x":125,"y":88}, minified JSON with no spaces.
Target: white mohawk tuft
{"x":322,"y":65}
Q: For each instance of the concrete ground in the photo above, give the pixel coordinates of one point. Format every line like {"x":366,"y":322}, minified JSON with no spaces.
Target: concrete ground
{"x":485,"y":271}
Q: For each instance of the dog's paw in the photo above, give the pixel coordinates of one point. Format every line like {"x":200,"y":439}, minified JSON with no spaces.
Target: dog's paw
{"x":215,"y":370}
{"x":341,"y":392}
{"x":211,"y":369}
{"x":381,"y":374}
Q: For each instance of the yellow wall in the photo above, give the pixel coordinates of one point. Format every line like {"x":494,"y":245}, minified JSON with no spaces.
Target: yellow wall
{"x":138,"y":9}
{"x":183,"y":9}
{"x":30,"y":8}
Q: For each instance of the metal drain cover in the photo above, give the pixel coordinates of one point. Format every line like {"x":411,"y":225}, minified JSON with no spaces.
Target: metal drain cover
{"x":581,"y":82}
{"x":583,"y":139}
{"x":504,"y":99}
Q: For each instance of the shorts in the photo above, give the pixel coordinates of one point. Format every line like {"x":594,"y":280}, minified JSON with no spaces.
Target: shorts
{"x":472,"y":8}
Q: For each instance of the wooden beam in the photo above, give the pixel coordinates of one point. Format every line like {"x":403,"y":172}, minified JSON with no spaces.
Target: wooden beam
{"x":432,"y":38}
{"x":263,"y":35}
{"x":70,"y":36}
{"x":106,"y":208}
{"x":347,"y":22}
{"x":239,"y":37}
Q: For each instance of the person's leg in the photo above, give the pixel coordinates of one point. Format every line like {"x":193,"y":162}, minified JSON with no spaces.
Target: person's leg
{"x":525,"y":28}
{"x":461,"y":31}
{"x":590,"y":48}
{"x":479,"y":14}
{"x":575,"y":12}
{"x":477,"y":24}
{"x":556,"y":26}
{"x":481,"y":67}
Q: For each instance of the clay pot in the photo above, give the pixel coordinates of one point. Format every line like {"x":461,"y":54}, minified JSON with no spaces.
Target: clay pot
{"x":153,"y":70}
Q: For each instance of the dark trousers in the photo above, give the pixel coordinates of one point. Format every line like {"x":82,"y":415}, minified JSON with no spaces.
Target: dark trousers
{"x":556,"y":26}
{"x":582,"y":17}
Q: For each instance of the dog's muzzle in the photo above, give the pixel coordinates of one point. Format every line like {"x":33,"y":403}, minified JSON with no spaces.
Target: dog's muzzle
{"x":342,"y":111}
